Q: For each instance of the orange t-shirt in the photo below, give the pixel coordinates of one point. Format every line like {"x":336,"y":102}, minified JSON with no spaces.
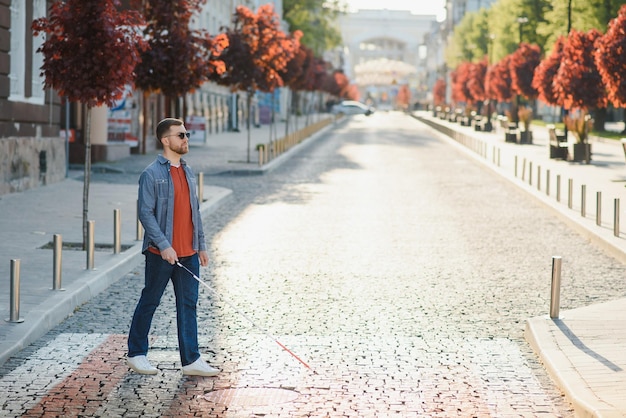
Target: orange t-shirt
{"x":182,"y":236}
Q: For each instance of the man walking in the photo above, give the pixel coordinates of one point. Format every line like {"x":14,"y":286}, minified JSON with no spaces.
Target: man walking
{"x":170,"y":214}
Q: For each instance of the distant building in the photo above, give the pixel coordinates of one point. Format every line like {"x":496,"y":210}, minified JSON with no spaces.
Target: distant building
{"x":381,"y":51}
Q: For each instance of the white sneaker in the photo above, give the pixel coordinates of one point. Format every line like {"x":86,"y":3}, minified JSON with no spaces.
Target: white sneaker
{"x":141,"y":365}
{"x":199,"y":368}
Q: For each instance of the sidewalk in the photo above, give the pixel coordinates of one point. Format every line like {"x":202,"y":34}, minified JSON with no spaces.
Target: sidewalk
{"x":31,"y":219}
{"x":584,"y":350}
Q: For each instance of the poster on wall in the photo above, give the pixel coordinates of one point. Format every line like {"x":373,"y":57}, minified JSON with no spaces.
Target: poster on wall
{"x":121,"y":122}
{"x":196,"y":126}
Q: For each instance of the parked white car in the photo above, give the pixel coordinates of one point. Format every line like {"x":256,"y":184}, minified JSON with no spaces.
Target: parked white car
{"x":352,"y":107}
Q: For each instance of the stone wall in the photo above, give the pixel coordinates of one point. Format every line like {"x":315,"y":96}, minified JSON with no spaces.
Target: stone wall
{"x":26,"y":163}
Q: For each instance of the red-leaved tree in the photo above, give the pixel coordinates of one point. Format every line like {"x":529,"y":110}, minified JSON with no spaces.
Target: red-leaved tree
{"x":578,"y":83}
{"x":403,"y":99}
{"x":498,"y":81}
{"x":522,"y":66}
{"x":258,"y":51}
{"x":460,"y":89}
{"x":476,"y":82}
{"x":179,"y":59}
{"x":610,"y":58}
{"x":545,"y":73}
{"x":89,"y":56}
{"x":342,"y":82}
{"x":439,"y":92}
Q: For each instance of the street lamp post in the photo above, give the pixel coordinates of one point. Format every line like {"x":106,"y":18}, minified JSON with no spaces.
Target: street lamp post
{"x":522,"y":20}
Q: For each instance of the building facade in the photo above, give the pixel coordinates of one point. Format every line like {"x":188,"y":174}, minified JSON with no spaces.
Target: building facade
{"x":31,"y":151}
{"x":382,"y":50}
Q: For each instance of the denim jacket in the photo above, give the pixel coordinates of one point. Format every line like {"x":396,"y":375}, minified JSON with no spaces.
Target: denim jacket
{"x":156,"y":206}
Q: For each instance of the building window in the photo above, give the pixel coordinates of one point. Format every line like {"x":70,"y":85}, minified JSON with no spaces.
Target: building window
{"x":26,"y":84}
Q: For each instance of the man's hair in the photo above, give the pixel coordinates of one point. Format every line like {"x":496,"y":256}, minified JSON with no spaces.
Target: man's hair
{"x":165,"y":126}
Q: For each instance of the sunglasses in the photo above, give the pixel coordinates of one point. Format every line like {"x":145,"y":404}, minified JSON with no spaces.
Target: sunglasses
{"x":181,"y":135}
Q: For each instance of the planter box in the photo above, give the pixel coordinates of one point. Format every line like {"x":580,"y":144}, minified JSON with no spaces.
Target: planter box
{"x":510,"y":136}
{"x":526,"y":137}
{"x":578,"y":152}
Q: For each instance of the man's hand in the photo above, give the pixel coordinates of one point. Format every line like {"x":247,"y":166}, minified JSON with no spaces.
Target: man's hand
{"x":169,"y":255}
{"x":204,"y":258}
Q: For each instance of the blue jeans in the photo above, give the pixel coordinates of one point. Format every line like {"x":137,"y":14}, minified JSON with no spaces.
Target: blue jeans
{"x":158,"y":273}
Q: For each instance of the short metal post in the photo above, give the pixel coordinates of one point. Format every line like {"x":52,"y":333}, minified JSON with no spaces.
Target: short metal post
{"x":558,"y":187}
{"x":516,"y":166}
{"x":583,"y":200}
{"x":117,"y":234}
{"x":523,"y":169}
{"x":555,"y":293}
{"x":139,"y":235}
{"x":547,"y":182}
{"x":530,"y":173}
{"x":599,"y":208}
{"x":57,"y":259}
{"x":538,"y":177}
{"x":200,"y":187}
{"x":14,"y":297}
{"x":616,"y":217}
{"x":498,"y":157}
{"x":570,"y":193}
{"x":90,"y":244}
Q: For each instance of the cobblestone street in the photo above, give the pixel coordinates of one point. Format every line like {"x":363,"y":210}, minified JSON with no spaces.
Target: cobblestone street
{"x":388,"y":260}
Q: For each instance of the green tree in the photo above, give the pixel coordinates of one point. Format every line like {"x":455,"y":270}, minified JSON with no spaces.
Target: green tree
{"x":515,"y":21}
{"x":581,"y":15}
{"x":469,"y":40}
{"x":316,"y":19}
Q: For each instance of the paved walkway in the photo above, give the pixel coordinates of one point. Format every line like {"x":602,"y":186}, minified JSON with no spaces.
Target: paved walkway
{"x":583,"y":349}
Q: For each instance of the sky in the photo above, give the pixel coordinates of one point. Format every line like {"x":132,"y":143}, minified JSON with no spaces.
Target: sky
{"x":423,"y":7}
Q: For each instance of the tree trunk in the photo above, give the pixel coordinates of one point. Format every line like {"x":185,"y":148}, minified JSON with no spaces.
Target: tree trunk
{"x":144,"y":126}
{"x":248,"y":106}
{"x":599,"y":119}
{"x":289,"y":109}
{"x":87,"y":177}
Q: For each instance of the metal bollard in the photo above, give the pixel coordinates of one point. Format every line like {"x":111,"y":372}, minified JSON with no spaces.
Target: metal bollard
{"x":583,"y":200}
{"x":139,"y":235}
{"x":547,"y":182}
{"x":570,"y":192}
{"x":523,"y":169}
{"x":530,"y":173}
{"x":599,"y":208}
{"x":555,"y":292}
{"x":57,"y":258}
{"x":515,"y":166}
{"x":90,"y":244}
{"x":538,"y":177}
{"x":498,"y":157}
{"x":558,"y":187}
{"x":117,"y":231}
{"x":616,"y":217}
{"x":200,"y":187}
{"x":14,"y":297}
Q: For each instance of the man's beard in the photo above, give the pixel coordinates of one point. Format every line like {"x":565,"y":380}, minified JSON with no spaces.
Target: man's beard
{"x":182,"y":149}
